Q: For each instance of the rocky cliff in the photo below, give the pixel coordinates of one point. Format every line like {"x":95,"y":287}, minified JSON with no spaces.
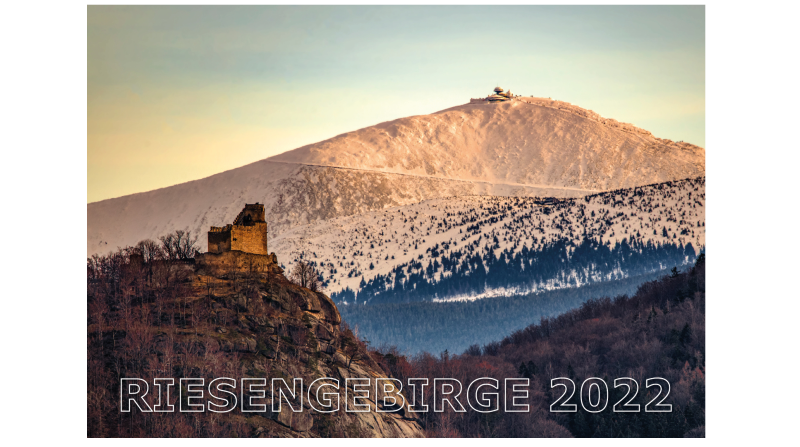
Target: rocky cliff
{"x":241,"y":320}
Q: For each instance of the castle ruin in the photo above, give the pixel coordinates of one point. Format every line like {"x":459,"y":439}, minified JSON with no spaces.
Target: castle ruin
{"x":247,"y":234}
{"x":240,"y":245}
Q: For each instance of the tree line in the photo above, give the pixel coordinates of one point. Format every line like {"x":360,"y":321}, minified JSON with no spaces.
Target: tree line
{"x":561,"y":263}
{"x":454,"y":326}
{"x":657,"y":332}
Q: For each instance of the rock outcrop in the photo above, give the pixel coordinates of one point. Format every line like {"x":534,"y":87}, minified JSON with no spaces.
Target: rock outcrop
{"x":243,"y":321}
{"x":289,"y":331}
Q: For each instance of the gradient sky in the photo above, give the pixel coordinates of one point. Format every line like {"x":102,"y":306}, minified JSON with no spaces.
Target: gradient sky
{"x":180,"y":93}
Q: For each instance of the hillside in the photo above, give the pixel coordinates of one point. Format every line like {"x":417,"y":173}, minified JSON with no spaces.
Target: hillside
{"x":527,"y":141}
{"x":658,"y":332}
{"x":152,"y":317}
{"x":513,"y":149}
{"x":483,"y":246}
{"x":435,"y":327}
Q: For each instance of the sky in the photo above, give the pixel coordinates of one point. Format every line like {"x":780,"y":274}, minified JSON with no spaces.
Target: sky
{"x":178,"y":93}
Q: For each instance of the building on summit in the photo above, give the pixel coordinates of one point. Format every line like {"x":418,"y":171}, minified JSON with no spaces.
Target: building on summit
{"x":247,"y":234}
{"x":500,"y":95}
{"x":241,"y":245}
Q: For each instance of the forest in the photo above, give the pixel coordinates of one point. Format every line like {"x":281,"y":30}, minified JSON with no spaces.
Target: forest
{"x":153,"y":312}
{"x":558,"y":264}
{"x":453,"y":326}
{"x":483,"y":246}
{"x":657,"y":332}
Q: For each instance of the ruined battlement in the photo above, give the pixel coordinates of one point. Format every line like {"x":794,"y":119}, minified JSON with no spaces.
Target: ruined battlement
{"x":251,"y":214}
{"x":247,"y":234}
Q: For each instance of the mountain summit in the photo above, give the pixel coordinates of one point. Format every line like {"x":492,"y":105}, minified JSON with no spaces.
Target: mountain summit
{"x":521,"y":147}
{"x":532,"y":142}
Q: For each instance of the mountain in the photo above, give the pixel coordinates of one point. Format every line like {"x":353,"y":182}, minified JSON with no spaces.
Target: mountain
{"x":521,"y":148}
{"x":465,"y":248}
{"x":531,"y":142}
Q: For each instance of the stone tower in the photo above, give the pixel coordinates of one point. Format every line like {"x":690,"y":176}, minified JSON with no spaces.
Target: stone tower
{"x":247,"y":234}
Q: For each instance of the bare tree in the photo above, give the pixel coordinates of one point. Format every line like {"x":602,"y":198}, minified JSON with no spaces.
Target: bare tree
{"x":305,"y":275}
{"x":179,"y":245}
{"x":168,"y":246}
{"x":98,"y":308}
{"x":187,"y":245}
{"x":351,"y":345}
{"x":350,"y":350}
{"x":150,"y":250}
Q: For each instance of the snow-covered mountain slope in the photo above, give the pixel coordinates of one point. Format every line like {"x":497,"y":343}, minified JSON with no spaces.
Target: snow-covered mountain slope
{"x":351,"y":251}
{"x":527,"y":141}
{"x":293,"y":194}
{"x":514,"y":149}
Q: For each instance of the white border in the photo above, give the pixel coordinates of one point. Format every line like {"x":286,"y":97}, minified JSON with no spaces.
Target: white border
{"x":751,"y":163}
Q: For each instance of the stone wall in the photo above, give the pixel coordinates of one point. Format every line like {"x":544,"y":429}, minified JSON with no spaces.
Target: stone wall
{"x":249,"y":239}
{"x":219,"y":241}
{"x":237,"y":260}
{"x":250,"y":213}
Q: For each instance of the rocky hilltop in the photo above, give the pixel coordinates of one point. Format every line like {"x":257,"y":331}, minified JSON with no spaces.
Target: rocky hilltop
{"x":151,"y":318}
{"x":520,"y":148}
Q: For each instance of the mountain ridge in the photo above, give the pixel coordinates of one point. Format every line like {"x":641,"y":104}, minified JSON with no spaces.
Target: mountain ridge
{"x":459,"y":142}
{"x":417,"y":247}
{"x":374,"y":172}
